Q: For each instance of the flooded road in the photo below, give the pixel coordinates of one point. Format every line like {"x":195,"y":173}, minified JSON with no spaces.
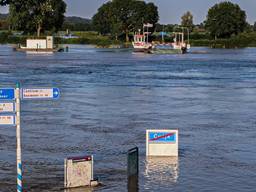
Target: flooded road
{"x":108,"y":100}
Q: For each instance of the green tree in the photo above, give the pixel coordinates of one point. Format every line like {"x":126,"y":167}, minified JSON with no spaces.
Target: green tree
{"x":35,"y":16}
{"x":254,"y":26}
{"x":151,"y":15}
{"x":124,"y":16}
{"x":3,"y":24}
{"x":101,"y":20}
{"x":187,"y":20}
{"x":225,"y":19}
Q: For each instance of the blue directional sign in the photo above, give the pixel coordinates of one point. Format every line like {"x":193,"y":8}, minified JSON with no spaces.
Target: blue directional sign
{"x":7,"y":94}
{"x":56,"y":93}
{"x":168,"y":137}
{"x":42,"y":93}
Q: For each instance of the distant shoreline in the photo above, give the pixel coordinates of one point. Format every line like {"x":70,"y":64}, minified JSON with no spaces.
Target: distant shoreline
{"x":92,"y":38}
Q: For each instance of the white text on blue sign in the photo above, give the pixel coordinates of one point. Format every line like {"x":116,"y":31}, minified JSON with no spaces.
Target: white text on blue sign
{"x":7,"y":94}
{"x":163,"y":137}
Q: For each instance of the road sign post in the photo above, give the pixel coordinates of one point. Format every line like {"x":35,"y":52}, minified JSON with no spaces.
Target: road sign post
{"x":133,"y":169}
{"x":18,"y":135}
{"x":7,"y":95}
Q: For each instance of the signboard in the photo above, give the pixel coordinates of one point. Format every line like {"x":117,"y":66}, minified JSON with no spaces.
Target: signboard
{"x":78,"y":171}
{"x":7,"y":107}
{"x":162,"y":137}
{"x":7,"y":94}
{"x":162,"y":142}
{"x":133,"y":162}
{"x":133,"y":169}
{"x":148,"y":25}
{"x":52,"y":93}
{"x":7,"y":120}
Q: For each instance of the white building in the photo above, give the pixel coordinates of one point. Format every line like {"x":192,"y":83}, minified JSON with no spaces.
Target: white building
{"x":40,"y":43}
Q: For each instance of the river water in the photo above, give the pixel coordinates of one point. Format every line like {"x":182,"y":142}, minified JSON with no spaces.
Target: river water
{"x":109,"y":98}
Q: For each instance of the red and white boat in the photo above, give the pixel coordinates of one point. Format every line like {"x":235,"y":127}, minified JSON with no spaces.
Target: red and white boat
{"x":140,"y":42}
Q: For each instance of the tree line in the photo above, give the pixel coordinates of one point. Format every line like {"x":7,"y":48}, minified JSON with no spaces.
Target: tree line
{"x":118,"y":18}
{"x":35,"y":15}
{"x":124,"y":16}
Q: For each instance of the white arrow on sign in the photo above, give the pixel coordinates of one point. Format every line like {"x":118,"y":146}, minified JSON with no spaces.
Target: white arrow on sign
{"x":52,"y":93}
{"x":7,"y":107}
{"x":7,"y":120}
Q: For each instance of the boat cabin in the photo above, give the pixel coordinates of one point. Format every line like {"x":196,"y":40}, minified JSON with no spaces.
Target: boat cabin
{"x":40,"y":43}
{"x":139,"y":38}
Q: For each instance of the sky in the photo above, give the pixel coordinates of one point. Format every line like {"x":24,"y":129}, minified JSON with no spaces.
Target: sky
{"x":170,"y":11}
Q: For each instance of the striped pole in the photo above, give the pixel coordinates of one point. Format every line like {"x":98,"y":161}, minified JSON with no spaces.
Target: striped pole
{"x":18,"y":136}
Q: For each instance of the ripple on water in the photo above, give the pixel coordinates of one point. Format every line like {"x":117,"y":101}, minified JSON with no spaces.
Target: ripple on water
{"x":108,"y":100}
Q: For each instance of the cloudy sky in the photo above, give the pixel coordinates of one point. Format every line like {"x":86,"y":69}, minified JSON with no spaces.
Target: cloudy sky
{"x":170,"y":10}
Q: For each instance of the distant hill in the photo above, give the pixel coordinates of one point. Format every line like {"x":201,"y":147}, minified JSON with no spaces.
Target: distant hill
{"x":74,"y":23}
{"x":74,"y":19}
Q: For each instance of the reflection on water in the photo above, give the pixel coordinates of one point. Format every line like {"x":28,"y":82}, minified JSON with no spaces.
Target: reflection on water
{"x":133,"y":184}
{"x":80,"y":189}
{"x":161,"y":170}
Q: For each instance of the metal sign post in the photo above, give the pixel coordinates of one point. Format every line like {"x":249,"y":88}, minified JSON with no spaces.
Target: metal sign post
{"x":133,"y":169}
{"x":18,"y":136}
{"x":8,"y":106}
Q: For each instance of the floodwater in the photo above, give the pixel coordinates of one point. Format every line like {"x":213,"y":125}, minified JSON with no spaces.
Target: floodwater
{"x":108,"y":100}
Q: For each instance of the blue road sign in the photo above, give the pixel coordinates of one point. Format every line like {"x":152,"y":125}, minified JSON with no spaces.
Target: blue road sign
{"x":42,"y":93}
{"x":56,"y":93}
{"x":167,"y":137}
{"x":7,"y":94}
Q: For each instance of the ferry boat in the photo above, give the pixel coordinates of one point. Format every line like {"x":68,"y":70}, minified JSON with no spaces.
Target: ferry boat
{"x":140,"y":42}
{"x":178,"y":46}
{"x":39,"y":46}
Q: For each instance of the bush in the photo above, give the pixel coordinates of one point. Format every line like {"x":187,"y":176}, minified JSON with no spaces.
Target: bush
{"x":7,"y":37}
{"x":240,"y":41}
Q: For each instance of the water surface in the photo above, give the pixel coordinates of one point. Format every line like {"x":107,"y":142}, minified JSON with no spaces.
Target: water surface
{"x":108,"y":100}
